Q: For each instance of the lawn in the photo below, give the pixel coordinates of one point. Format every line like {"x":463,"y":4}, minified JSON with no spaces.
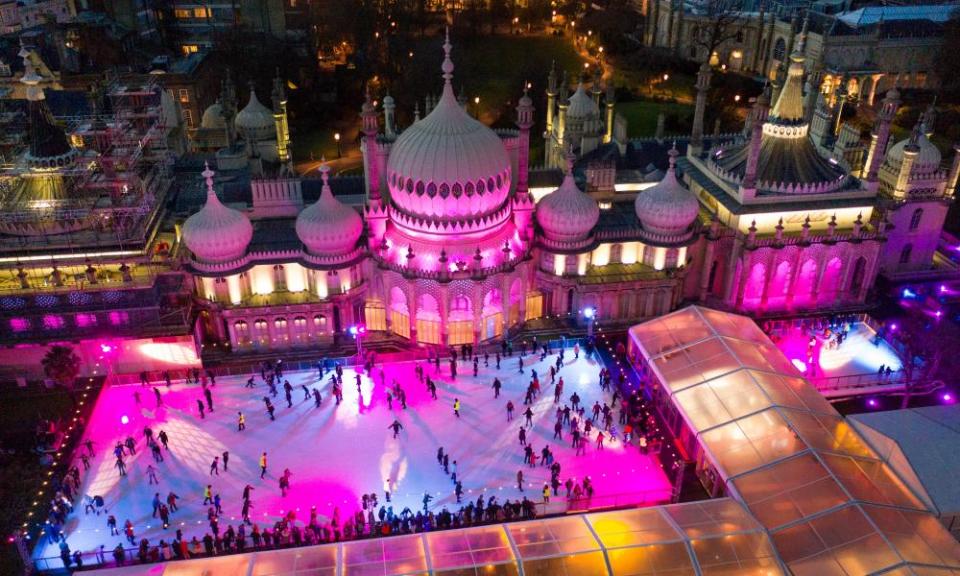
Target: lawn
{"x":641,"y":117}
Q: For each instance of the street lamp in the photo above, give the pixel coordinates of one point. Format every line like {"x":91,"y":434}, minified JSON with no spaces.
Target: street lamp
{"x":336,"y":136}
{"x":476,"y":104}
{"x":358,"y":331}
{"x":590,"y":313}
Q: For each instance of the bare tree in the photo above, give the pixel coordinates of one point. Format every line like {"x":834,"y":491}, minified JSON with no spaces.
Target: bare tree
{"x":724,"y":20}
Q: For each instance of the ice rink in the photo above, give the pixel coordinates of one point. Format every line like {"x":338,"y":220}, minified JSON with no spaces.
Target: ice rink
{"x":337,"y":453}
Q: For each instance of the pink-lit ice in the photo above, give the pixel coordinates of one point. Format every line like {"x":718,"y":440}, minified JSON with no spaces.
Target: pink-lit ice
{"x":337,"y":453}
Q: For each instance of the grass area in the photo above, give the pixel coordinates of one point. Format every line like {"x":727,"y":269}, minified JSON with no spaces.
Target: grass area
{"x":641,"y":117}
{"x":21,"y":471}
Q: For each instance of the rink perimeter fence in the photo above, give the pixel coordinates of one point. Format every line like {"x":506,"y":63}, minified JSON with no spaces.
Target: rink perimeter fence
{"x":559,"y":505}
{"x":156,"y":377}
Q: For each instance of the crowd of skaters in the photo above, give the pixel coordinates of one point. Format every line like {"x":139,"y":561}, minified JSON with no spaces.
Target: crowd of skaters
{"x":366,"y":522}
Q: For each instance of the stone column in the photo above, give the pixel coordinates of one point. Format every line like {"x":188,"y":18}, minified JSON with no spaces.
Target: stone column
{"x":746,"y":268}
{"x":233,"y":335}
{"x":845,"y":277}
{"x":767,"y":276}
{"x":705,"y":272}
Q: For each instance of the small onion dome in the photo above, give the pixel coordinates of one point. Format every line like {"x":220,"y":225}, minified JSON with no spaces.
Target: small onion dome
{"x":216,"y":233}
{"x":255,"y":121}
{"x":928,"y":158}
{"x":567,"y":214}
{"x":212,"y":118}
{"x":328,"y":227}
{"x":667,"y":208}
{"x":581,"y":104}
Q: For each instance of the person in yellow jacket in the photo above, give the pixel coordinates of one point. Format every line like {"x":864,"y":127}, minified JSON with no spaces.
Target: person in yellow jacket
{"x":456,"y":407}
{"x":263,"y":465}
{"x":546,"y":494}
{"x":241,"y":422}
{"x":208,"y":494}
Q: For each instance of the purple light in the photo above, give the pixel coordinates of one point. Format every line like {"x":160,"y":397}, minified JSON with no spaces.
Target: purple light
{"x":106,"y":348}
{"x":947,"y":397}
{"x":124,"y":419}
{"x":893,"y":327}
{"x":943,"y":288}
{"x":938,"y":313}
{"x":872,"y":402}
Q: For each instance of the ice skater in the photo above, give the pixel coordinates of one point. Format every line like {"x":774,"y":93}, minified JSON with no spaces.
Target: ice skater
{"x":215,"y":466}
{"x":528,"y":414}
{"x":241,"y":422}
{"x":520,"y":480}
{"x":509,"y":410}
{"x":226,"y":459}
{"x":200,"y":409}
{"x":496,"y":387}
{"x":397,"y":427}
{"x":263,"y":465}
{"x":456,"y":407}
{"x":152,"y":475}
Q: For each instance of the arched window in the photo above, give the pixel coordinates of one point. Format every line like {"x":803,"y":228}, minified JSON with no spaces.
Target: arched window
{"x":779,"y":49}
{"x":915,"y":219}
{"x":905,"y":254}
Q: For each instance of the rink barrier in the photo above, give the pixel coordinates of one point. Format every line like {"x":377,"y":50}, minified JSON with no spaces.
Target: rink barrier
{"x":179,"y":375}
{"x":558,"y":506}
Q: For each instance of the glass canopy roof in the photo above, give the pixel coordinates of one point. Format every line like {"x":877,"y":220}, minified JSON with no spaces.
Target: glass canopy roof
{"x":829,"y":502}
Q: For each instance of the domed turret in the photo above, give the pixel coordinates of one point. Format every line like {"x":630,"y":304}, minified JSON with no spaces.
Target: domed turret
{"x":216,"y":233}
{"x":928,"y":159}
{"x":667,"y":209}
{"x":448,"y":165}
{"x":567,"y":214}
{"x":581,"y":104}
{"x":212,"y":118}
{"x":255,"y":121}
{"x":328,"y":227}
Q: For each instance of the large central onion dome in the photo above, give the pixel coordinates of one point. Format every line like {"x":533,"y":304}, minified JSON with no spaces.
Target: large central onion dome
{"x":567,"y":214}
{"x":216,"y":233}
{"x":667,"y":209}
{"x":328,"y":227}
{"x":448,"y":165}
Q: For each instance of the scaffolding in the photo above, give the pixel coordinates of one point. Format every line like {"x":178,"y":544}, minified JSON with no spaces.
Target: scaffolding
{"x":112,"y":191}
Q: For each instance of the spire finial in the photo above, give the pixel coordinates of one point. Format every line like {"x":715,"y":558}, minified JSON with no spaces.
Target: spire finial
{"x":447,"y":66}
{"x":673,"y":156}
{"x":325,"y":176}
{"x":208,"y":176}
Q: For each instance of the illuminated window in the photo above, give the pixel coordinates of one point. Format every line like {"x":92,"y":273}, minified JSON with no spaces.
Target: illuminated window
{"x":320,"y":321}
{"x":189,"y":49}
{"x":280,"y":323}
{"x":19,"y":324}
{"x":182,"y":13}
{"x":300,"y":322}
{"x":184,"y":95}
{"x":52,"y":322}
{"x":201,"y":12}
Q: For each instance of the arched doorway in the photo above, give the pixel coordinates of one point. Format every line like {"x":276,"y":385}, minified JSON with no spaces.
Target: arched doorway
{"x":428,"y":319}
{"x":491,"y":315}
{"x":399,"y":312}
{"x":460,"y":320}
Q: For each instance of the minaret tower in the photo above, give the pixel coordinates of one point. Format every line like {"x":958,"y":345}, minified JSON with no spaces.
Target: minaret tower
{"x":880,"y":137}
{"x":368,"y":113}
{"x":524,"y":122}
{"x":703,"y":85}
{"x":279,"y":97}
{"x":610,"y":103}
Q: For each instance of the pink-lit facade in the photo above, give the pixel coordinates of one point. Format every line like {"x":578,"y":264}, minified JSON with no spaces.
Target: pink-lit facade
{"x":452,"y":247}
{"x":448,"y":243}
